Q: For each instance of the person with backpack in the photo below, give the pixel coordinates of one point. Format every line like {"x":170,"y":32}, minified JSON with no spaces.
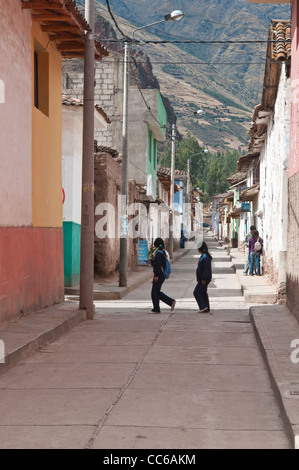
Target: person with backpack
{"x":161,"y":268}
{"x":204,"y":277}
{"x":255,"y":250}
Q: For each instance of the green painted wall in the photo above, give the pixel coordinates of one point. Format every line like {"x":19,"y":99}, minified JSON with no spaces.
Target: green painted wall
{"x":71,"y":249}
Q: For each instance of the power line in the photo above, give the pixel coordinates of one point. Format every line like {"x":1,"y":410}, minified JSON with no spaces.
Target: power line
{"x":115,"y":22}
{"x":183,"y":40}
{"x":196,"y":41}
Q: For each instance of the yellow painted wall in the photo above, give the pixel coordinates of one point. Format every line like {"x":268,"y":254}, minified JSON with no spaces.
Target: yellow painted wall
{"x":47,"y":142}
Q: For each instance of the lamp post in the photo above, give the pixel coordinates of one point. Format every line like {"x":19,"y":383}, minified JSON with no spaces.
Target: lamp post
{"x":176,"y":15}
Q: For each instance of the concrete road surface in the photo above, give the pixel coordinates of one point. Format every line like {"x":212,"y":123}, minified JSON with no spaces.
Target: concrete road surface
{"x":133,"y":380}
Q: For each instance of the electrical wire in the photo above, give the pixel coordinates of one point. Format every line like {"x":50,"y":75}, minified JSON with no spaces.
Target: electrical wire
{"x":183,"y":40}
{"x":115,"y":22}
{"x":140,"y":91}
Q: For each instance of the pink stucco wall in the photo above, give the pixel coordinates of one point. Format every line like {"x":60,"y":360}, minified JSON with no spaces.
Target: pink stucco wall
{"x":294,"y":149}
{"x":15,"y":115}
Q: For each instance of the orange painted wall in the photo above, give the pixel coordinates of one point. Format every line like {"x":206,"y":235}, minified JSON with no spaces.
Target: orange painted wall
{"x":31,"y":274}
{"x":47,"y":143}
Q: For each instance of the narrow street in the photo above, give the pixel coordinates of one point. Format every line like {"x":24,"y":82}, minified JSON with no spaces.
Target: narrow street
{"x":132,"y":380}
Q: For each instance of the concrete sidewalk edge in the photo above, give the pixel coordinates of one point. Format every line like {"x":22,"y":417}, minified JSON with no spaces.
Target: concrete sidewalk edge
{"x":263,"y":293}
{"x":22,"y":338}
{"x":273,"y":357}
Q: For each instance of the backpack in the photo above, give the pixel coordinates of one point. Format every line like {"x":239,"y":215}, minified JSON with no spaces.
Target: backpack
{"x":257,"y":246}
{"x":167,"y":270}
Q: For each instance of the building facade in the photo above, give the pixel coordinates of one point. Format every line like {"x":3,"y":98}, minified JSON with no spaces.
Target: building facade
{"x":31,"y":232}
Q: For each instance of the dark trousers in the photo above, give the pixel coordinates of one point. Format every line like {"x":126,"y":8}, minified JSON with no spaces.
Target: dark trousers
{"x":157,"y":295}
{"x":201,"y":296}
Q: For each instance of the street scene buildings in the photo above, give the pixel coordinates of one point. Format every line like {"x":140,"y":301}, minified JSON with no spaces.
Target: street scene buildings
{"x":42,"y":84}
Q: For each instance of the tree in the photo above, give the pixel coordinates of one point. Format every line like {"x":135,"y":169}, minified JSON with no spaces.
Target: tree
{"x":208,"y":170}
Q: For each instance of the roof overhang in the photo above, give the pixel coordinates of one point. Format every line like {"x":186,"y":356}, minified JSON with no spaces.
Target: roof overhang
{"x":158,"y":132}
{"x":101,"y":119}
{"x":65,"y":26}
{"x":235,"y":213}
{"x":249,"y":194}
{"x":245,"y":161}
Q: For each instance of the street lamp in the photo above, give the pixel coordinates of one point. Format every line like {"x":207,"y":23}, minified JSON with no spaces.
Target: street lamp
{"x":176,"y":15}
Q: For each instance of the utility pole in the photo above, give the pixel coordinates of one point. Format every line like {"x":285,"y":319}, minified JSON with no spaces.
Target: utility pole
{"x":87,"y":211}
{"x":124,"y":180}
{"x":171,"y":214}
{"x":188,"y":197}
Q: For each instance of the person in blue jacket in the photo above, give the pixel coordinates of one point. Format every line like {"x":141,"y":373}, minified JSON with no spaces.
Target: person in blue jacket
{"x":204,"y":277}
{"x":158,"y":266}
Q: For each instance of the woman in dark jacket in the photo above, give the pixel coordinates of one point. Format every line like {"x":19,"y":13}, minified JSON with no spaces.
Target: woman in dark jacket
{"x":255,"y":252}
{"x":158,"y":266}
{"x":204,"y":277}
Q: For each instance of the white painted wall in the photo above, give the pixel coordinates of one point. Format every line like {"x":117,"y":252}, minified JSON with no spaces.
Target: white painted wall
{"x":72,"y":136}
{"x":273,"y":199}
{"x":15,"y":115}
{"x":72,"y":144}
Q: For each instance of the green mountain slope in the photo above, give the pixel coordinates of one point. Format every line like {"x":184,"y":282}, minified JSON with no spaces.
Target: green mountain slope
{"x":222,"y":77}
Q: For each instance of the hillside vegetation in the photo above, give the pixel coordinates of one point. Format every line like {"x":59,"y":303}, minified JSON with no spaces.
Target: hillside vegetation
{"x":224,"y":79}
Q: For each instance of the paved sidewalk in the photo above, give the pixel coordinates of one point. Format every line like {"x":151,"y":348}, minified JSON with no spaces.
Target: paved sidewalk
{"x":275,"y":328}
{"x":256,"y":289}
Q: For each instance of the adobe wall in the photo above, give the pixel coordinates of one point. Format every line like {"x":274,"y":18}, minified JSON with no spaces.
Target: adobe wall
{"x":107,"y":189}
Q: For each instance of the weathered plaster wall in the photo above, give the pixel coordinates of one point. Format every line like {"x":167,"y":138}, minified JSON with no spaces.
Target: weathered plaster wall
{"x":294,"y":155}
{"x":31,"y":238}
{"x":15,"y":116}
{"x":273,"y":183}
{"x":293,"y":206}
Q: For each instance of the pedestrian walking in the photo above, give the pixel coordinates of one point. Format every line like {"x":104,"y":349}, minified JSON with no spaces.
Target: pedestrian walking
{"x":160,"y":255}
{"x":247,"y":254}
{"x":204,"y":277}
{"x":255,"y":250}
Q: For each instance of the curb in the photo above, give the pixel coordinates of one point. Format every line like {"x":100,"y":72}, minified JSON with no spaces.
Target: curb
{"x":269,"y":297}
{"x":23,"y":348}
{"x":281,"y":382}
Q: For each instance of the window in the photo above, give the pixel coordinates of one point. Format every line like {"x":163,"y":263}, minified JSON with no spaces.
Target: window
{"x":150,"y":145}
{"x":155,"y":154}
{"x":41,"y":79}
